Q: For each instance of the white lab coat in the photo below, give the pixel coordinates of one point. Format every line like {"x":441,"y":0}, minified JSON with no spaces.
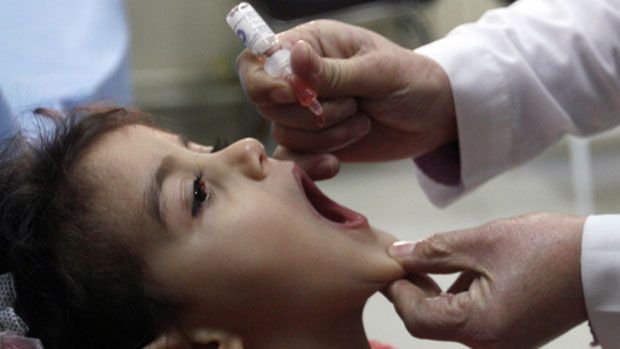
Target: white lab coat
{"x":522,"y":77}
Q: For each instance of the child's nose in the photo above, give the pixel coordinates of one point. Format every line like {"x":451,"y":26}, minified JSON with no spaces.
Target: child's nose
{"x":248,"y":155}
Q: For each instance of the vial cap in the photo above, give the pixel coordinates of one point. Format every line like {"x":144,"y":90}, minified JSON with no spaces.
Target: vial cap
{"x":250,"y":27}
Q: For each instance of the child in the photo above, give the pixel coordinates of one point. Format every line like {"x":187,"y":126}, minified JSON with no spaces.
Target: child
{"x":121,"y":235}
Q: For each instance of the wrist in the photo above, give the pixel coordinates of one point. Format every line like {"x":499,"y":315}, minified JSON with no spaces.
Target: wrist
{"x":436,"y":100}
{"x":572,"y":250}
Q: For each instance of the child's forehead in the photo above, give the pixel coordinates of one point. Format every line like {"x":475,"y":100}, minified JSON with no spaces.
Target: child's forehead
{"x":123,"y":158}
{"x":133,"y":139}
{"x":120,"y":168}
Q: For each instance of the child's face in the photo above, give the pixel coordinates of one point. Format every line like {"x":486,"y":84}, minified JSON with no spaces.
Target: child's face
{"x":236,"y":235}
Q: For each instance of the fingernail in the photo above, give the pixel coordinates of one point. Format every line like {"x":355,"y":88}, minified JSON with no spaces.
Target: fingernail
{"x":361,"y":128}
{"x":401,"y":249}
{"x":304,"y":46}
{"x":325,"y":168}
{"x":313,"y":58}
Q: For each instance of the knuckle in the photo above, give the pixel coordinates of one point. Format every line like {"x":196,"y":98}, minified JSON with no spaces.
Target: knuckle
{"x":436,"y":245}
{"x":495,"y":231}
{"x":312,"y":27}
{"x":334,"y":76}
{"x":496,"y":224}
{"x":533,"y":217}
{"x":503,"y":226}
{"x":457,"y":315}
{"x":302,"y":31}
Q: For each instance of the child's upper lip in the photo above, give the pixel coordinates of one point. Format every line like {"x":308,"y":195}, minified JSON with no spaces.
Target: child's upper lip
{"x":325,"y":207}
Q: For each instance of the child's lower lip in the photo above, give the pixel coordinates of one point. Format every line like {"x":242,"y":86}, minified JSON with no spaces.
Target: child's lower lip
{"x":326,"y":208}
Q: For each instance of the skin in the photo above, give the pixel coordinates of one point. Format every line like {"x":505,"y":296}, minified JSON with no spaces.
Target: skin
{"x":256,"y":251}
{"x":520,"y":285}
{"x":381,"y":101}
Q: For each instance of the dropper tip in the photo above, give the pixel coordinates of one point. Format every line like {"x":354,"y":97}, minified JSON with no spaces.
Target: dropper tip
{"x":317,"y":109}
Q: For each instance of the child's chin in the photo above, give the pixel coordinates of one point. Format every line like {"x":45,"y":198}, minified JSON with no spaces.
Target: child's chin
{"x":384,"y":238}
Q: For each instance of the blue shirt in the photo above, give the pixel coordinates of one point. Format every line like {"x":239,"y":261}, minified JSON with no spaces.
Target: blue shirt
{"x":7,"y":123}
{"x":59,"y":54}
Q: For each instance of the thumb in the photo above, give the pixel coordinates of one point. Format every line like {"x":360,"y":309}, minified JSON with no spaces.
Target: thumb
{"x":439,"y":253}
{"x":331,"y":77}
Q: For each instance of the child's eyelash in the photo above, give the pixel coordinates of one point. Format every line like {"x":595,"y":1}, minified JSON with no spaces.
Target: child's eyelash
{"x":200,"y":194}
{"x":219,"y":144}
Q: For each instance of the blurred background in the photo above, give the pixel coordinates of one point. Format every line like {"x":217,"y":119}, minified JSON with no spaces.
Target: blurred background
{"x":183,"y":72}
{"x":184,"y":53}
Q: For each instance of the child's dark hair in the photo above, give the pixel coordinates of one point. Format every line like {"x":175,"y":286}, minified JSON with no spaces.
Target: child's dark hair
{"x":77,"y":285}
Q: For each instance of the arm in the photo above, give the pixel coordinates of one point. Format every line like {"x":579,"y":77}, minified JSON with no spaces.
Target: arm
{"x":521,"y":78}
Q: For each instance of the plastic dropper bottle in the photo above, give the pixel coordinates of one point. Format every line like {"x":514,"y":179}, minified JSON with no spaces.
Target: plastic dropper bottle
{"x":261,"y":40}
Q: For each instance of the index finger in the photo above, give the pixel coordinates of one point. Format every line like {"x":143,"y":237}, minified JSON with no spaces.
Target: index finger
{"x":329,"y":38}
{"x":257,"y":85}
{"x":318,"y":166}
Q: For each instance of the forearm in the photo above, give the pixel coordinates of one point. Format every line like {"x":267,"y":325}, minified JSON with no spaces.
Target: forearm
{"x":524,"y":76}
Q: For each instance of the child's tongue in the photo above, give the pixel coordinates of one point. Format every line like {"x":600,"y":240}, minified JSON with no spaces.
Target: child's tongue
{"x":329,"y":209}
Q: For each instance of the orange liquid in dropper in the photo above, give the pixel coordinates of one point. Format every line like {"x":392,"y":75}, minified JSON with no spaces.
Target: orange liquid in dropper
{"x":307,"y":97}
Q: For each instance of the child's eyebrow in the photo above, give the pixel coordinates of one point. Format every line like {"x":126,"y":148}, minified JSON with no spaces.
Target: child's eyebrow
{"x":167,"y":166}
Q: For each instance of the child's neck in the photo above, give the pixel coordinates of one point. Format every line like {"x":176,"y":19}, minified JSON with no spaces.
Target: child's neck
{"x":337,"y":333}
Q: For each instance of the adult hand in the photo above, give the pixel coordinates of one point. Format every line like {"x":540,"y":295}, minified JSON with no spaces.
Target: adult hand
{"x":317,"y":165}
{"x":520,"y":284}
{"x":381,"y":101}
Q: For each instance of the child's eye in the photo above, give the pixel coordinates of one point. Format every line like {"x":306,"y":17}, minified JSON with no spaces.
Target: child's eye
{"x":201,"y":195}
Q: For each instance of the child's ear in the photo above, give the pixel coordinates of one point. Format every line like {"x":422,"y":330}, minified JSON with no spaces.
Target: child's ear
{"x":197,"y":339}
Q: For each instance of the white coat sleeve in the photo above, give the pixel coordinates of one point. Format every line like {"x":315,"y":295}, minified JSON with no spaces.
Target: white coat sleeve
{"x":522,"y":77}
{"x":600,"y":275}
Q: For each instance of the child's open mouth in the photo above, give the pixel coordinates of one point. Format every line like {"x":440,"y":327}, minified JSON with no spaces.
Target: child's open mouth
{"x":326,"y":207}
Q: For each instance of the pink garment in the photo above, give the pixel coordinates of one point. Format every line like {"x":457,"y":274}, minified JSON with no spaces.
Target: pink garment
{"x":378,"y":345}
{"x":13,"y":341}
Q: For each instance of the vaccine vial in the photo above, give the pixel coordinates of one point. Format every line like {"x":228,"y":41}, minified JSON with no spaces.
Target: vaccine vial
{"x":261,"y":40}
